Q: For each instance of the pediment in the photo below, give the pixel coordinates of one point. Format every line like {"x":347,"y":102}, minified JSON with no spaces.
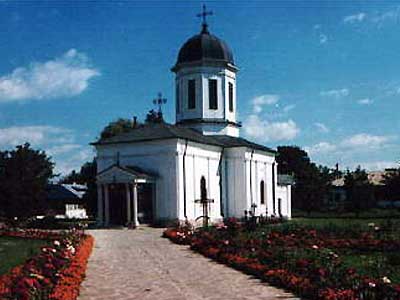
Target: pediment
{"x":119,"y":174}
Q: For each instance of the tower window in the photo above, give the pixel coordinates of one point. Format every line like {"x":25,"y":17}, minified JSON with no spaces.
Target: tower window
{"x":178,"y":106}
{"x":262,"y":192}
{"x":191,"y":94}
{"x":230,"y":84}
{"x":213,"y":93}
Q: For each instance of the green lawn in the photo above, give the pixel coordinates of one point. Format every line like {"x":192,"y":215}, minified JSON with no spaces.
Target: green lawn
{"x":15,"y":251}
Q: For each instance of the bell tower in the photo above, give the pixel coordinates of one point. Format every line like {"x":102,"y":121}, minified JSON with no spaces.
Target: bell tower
{"x":205,"y":84}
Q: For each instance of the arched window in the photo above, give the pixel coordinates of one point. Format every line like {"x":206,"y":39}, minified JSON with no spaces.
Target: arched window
{"x":262,"y":192}
{"x":203,"y":188}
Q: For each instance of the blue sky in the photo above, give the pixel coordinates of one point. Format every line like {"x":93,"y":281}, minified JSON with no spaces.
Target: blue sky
{"x":322,"y":75}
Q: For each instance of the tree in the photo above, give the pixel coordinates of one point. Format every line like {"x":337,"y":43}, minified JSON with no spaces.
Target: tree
{"x":358,"y":190}
{"x":154,"y":117}
{"x":312,"y":181}
{"x":86,"y":176}
{"x":392,"y":185}
{"x":117,"y":127}
{"x":23,"y":180}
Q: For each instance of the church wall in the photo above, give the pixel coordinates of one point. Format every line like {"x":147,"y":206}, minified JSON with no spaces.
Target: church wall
{"x":243,"y":191}
{"x":158,"y":157}
{"x":201,"y":160}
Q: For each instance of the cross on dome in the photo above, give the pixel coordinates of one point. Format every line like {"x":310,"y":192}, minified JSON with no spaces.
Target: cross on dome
{"x":204,"y":15}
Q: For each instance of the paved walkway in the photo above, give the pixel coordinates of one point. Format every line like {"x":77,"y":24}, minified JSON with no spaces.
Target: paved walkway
{"x":140,"y":265}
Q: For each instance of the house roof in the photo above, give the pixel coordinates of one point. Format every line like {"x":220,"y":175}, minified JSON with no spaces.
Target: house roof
{"x":160,"y":131}
{"x":285,"y":179}
{"x":65,"y":192}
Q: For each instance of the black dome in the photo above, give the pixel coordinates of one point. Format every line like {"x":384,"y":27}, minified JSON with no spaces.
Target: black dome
{"x":205,"y":46}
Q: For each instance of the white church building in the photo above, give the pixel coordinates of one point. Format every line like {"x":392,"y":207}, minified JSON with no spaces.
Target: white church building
{"x":156,"y":173}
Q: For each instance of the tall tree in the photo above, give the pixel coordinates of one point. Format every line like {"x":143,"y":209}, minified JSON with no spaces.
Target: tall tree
{"x":312,"y":181}
{"x":23,"y":179}
{"x":358,"y":190}
{"x":392,"y":185}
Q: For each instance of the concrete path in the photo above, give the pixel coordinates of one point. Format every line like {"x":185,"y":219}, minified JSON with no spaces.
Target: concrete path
{"x":140,"y":265}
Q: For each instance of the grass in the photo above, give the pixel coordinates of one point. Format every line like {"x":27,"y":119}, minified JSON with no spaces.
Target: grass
{"x":15,"y":251}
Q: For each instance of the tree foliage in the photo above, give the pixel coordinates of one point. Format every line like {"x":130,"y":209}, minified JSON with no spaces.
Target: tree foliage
{"x":154,"y":117}
{"x":117,"y":127}
{"x":392,"y":185}
{"x":359,"y":191}
{"x":24,"y":175}
{"x":312,"y":181}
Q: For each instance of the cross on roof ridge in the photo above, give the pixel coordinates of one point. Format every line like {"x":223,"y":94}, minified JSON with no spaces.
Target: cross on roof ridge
{"x":204,"y":15}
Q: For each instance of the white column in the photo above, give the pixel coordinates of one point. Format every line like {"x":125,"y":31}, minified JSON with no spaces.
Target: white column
{"x":128,"y":203}
{"x":100,"y":203}
{"x":135,"y":205}
{"x":107,"y":204}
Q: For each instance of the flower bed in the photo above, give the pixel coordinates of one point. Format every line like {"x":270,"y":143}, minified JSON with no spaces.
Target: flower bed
{"x":55,"y":273}
{"x":310,"y":263}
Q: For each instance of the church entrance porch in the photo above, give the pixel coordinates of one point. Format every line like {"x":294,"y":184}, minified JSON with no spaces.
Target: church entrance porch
{"x":125,"y":197}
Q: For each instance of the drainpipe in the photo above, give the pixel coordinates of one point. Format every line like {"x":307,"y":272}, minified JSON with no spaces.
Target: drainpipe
{"x":220,"y":183}
{"x":251,"y":180}
{"x":184,"y":179}
{"x":273,"y":188}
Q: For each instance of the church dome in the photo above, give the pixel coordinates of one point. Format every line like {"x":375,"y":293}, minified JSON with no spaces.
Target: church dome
{"x":205,"y":47}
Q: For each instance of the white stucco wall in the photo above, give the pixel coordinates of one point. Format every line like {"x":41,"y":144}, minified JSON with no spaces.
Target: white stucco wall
{"x":200,"y":160}
{"x":165,"y":158}
{"x":158,"y":157}
{"x":284,"y":192}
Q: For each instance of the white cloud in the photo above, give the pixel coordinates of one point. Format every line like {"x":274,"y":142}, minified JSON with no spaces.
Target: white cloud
{"x":335,"y":93}
{"x":270,"y":131}
{"x":73,"y":161}
{"x":387,"y":16}
{"x":63,"y":148}
{"x":35,"y":135}
{"x":321,"y":127}
{"x":260,"y":101}
{"x":59,"y":143}
{"x":65,"y":76}
{"x":356,"y":18}
{"x":365,"y":141}
{"x":354,"y":144}
{"x":365,"y":101}
{"x":288,"y":108}
{"x":323,"y":38}
{"x":321,"y":148}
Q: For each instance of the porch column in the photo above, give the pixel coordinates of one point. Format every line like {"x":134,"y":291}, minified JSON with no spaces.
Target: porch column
{"x":100,"y":203}
{"x":128,"y":203}
{"x":135,"y":205}
{"x":107,"y":204}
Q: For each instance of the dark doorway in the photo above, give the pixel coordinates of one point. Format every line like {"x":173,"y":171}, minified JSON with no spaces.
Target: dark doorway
{"x":145,"y":203}
{"x":118,"y":213}
{"x":280,"y":207}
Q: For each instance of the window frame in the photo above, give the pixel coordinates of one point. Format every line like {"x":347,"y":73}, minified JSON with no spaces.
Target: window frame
{"x":262,"y":192}
{"x":230,"y":96}
{"x":191,"y":90}
{"x":213,"y":94}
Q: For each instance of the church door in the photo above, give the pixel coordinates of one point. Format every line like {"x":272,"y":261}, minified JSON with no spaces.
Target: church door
{"x":118,"y":208}
{"x":145,"y":203}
